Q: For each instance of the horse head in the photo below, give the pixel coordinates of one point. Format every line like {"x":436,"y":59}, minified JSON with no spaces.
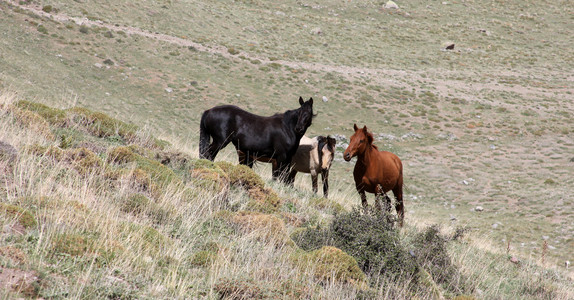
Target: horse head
{"x":326,"y":149}
{"x":305,"y":116}
{"x":360,"y":141}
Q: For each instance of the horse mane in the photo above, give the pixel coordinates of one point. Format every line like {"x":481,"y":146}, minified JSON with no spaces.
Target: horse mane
{"x":372,"y":139}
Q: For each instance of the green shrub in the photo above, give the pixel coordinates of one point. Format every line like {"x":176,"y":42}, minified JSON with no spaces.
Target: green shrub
{"x":263,"y":227}
{"x":42,"y":29}
{"x":159,"y":174}
{"x":263,"y":200}
{"x":331,"y":264}
{"x":432,"y":255}
{"x":135,"y":204}
{"x":203,"y":258}
{"x":242,"y":288}
{"x":84,"y":29}
{"x":101,"y":125}
{"x":241,"y":175}
{"x":369,"y":238}
{"x":47,"y":8}
{"x":310,"y":239}
{"x":23,"y":216}
{"x":54,"y":116}
{"x":72,"y":244}
{"x":373,"y":241}
{"x":83,"y":160}
{"x":328,"y":205}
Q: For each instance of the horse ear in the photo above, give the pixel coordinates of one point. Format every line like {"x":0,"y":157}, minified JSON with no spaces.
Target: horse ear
{"x":310,"y":101}
{"x":355,"y":127}
{"x":365,"y":129}
{"x":301,"y":100}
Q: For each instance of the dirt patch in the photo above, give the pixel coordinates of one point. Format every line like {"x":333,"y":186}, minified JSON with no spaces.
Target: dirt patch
{"x":18,"y":281}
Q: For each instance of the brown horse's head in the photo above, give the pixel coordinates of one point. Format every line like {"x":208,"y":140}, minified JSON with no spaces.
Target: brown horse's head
{"x":360,"y":141}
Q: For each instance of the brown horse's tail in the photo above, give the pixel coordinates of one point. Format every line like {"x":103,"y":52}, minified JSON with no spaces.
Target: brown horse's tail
{"x":204,"y":138}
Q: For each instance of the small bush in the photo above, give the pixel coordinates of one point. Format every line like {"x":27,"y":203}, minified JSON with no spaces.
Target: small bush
{"x":84,"y":29}
{"x":328,"y":205}
{"x":209,"y":176}
{"x":241,"y":175}
{"x":135,"y":204}
{"x":369,"y":238}
{"x":331,"y":264}
{"x":101,"y":125}
{"x":263,"y":200}
{"x":47,"y":8}
{"x":312,"y":238}
{"x":42,"y":29}
{"x":432,"y":255}
{"x":72,"y":244}
{"x":203,"y":258}
{"x":241,"y":288}
{"x":23,"y":216}
{"x":374,"y":243}
{"x":121,"y":155}
{"x":83,"y":160}
{"x":54,"y":116}
{"x":144,"y":239}
{"x":159,"y":174}
{"x":33,"y":121}
{"x":267,"y":228}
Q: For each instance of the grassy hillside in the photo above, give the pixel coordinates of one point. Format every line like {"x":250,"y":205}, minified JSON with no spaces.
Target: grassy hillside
{"x":486,"y":124}
{"x":93,"y":207}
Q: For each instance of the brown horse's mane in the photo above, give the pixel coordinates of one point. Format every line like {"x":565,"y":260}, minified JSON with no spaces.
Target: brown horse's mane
{"x":372,"y":138}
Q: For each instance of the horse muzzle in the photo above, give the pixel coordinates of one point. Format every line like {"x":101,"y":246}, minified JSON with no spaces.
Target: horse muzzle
{"x":347,"y":156}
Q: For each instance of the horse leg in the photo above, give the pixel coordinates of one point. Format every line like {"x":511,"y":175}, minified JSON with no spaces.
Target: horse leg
{"x":314,"y":178}
{"x":213,"y":150}
{"x":325,"y":176}
{"x":291,"y":178}
{"x":398,"y":192}
{"x":364,"y":201}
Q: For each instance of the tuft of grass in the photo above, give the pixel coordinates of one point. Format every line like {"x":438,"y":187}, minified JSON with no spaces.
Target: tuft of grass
{"x":264,"y":227}
{"x":54,"y":116}
{"x":330,"y":264}
{"x":22,"y":215}
{"x":74,"y":244}
{"x":241,"y":175}
{"x":101,"y":125}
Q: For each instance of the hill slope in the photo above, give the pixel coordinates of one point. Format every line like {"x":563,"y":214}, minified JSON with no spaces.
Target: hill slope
{"x":93,"y":207}
{"x":488,"y":124}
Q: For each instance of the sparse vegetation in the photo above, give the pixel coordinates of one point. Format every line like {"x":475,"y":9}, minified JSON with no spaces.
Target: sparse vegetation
{"x":484,"y":131}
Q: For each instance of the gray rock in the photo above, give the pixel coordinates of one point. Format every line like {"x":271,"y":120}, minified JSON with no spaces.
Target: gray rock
{"x":479,"y":208}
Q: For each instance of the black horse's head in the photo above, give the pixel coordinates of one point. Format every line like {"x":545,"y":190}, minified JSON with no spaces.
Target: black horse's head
{"x":305,"y":116}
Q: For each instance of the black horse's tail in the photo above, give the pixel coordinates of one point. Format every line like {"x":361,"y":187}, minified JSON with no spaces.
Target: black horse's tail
{"x":204,"y":137}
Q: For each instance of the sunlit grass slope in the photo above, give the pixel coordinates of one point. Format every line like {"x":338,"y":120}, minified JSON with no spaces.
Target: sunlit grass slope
{"x":94,"y":207}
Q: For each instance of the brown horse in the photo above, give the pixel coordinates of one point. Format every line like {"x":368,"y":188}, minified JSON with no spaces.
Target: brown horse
{"x":376,"y":171}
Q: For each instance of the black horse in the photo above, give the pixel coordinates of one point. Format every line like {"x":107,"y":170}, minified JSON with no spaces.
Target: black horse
{"x":275,"y":137}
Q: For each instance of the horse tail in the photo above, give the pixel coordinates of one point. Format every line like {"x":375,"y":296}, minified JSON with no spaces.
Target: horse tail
{"x":204,"y":137}
{"x":406,"y":188}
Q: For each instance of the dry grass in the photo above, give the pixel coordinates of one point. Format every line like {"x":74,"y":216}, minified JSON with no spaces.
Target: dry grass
{"x":98,"y":237}
{"x":488,"y":124}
